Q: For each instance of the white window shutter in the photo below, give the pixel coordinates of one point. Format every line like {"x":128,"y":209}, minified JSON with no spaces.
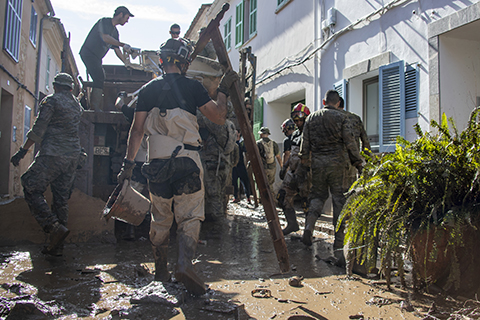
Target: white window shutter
{"x":341,"y":88}
{"x":392,"y":105}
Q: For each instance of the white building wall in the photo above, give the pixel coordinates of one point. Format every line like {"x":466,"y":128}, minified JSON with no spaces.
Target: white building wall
{"x":459,"y":78}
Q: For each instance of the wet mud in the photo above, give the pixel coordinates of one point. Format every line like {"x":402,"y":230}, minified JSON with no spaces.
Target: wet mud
{"x":237,"y":262}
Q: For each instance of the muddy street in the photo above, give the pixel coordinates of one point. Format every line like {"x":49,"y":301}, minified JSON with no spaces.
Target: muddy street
{"x":239,"y":265}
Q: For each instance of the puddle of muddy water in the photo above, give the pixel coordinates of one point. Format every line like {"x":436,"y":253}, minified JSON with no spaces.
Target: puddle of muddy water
{"x":114,"y":281}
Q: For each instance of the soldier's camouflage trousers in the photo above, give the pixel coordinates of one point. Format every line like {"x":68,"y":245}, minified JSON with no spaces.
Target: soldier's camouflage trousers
{"x":328,"y":176}
{"x":58,"y":172}
{"x":270,"y":177}
{"x":215,"y":193}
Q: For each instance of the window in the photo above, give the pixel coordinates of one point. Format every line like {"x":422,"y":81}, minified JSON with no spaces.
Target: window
{"x":47,"y":74}
{"x":388,"y":99}
{"x":370,"y":110}
{"x":227,"y":32}
{"x":281,"y":4}
{"x":13,"y":23}
{"x":239,"y":25}
{"x":245,"y":15}
{"x":252,"y":23}
{"x":33,"y":26}
{"x":27,"y":120}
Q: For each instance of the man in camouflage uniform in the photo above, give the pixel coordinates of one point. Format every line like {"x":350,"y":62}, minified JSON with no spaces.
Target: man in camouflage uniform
{"x":218,"y":146}
{"x":329,"y":143}
{"x":295,"y":181}
{"x":56,"y":129}
{"x":269,"y":151}
{"x":361,"y":138}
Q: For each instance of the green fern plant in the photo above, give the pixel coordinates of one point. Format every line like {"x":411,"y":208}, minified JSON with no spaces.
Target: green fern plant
{"x":432,"y":181}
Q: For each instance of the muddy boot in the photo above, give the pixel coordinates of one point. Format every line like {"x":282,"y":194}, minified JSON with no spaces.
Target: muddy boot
{"x":292,"y":224}
{"x":185,"y":272}
{"x":160,"y":253}
{"x":309,"y":227}
{"x":96,"y":100}
{"x":58,"y":233}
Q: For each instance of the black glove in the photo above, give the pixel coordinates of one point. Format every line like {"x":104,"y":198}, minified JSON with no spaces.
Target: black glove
{"x":126,"y":171}
{"x":15,"y":160}
{"x":227,"y":81}
{"x":282,"y":173}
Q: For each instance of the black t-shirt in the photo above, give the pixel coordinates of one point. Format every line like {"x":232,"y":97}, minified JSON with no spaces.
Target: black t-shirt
{"x":94,"y":43}
{"x":287,"y":144}
{"x":180,"y":92}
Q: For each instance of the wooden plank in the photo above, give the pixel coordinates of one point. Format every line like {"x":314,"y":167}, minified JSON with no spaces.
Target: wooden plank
{"x":212,"y":32}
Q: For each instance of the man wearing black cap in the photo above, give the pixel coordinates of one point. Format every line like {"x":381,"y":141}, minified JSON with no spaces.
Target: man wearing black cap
{"x":103,"y":36}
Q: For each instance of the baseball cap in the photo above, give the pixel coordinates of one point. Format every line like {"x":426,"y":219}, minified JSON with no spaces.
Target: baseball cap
{"x":124,"y":10}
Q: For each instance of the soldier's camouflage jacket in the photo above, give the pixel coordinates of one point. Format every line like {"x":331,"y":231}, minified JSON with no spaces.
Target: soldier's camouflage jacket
{"x":329,"y":135}
{"x":56,"y":126}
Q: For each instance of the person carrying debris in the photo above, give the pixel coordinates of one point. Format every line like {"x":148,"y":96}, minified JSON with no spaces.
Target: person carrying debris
{"x":55,"y":164}
{"x":328,"y":142}
{"x":103,"y":36}
{"x":296,"y":180}
{"x":166,"y":113}
{"x":269,"y":151}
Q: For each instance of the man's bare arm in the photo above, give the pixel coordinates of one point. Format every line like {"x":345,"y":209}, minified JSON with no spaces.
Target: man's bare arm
{"x":216,"y":111}
{"x":136,"y":134}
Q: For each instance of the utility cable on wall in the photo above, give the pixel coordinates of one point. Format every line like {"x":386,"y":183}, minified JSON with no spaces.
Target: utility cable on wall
{"x":305,"y":54}
{"x":21,"y":85}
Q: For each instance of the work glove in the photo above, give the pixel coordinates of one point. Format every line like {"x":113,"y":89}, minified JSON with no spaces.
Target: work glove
{"x":127,"y":48}
{"x":126,"y":171}
{"x":282,"y":172}
{"x":15,"y":160}
{"x":227,"y":81}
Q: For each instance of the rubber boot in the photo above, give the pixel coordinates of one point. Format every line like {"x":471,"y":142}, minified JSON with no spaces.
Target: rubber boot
{"x":58,"y":233}
{"x":185,"y":272}
{"x":309,"y":227}
{"x":96,"y":99}
{"x":292,"y":224}
{"x":160,"y":253}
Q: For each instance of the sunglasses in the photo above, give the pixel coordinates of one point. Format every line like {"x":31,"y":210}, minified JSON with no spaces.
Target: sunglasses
{"x":175,"y":32}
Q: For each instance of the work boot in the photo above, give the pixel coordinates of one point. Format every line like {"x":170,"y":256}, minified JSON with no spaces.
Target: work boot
{"x":309,"y":227}
{"x":185,"y":272}
{"x":96,"y":99}
{"x":292,"y":224}
{"x":160,"y":253}
{"x":58,"y":233}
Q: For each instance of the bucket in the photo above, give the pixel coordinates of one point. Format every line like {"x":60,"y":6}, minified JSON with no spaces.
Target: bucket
{"x":126,"y":204}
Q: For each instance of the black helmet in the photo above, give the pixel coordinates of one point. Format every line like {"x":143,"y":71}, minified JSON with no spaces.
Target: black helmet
{"x":64,"y":79}
{"x":175,"y":50}
{"x":288,"y":125}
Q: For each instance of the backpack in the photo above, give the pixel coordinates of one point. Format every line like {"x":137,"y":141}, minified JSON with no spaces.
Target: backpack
{"x":269,"y":152}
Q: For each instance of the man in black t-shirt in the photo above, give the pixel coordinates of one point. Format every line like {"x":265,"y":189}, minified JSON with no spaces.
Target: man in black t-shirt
{"x":103,"y":36}
{"x":166,"y":113}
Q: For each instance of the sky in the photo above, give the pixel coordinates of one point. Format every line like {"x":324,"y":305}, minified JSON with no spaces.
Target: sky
{"x":148,"y":28}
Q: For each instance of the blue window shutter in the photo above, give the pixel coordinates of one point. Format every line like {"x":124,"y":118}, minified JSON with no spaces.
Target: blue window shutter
{"x":411,"y":92}
{"x":239,"y":24}
{"x":392,"y":105}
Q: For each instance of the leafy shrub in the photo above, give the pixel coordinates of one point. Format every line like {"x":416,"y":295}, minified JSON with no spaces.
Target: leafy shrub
{"x":433,"y":181}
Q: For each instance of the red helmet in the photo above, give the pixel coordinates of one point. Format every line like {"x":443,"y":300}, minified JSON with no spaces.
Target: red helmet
{"x":288,"y":125}
{"x":300,"y":111}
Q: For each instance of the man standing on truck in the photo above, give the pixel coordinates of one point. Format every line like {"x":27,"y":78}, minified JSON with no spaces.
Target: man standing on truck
{"x":103,"y":36}
{"x":56,"y":129}
{"x":166,"y":113}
